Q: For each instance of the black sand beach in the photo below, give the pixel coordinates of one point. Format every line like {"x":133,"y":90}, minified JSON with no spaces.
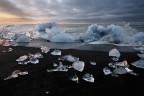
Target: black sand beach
{"x":39,"y":82}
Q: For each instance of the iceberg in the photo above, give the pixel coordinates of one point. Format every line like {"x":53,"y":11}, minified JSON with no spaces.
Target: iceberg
{"x":78,"y":65}
{"x":114,"y":53}
{"x":89,"y":78}
{"x":23,"y":39}
{"x":56,"y":52}
{"x":69,"y":58}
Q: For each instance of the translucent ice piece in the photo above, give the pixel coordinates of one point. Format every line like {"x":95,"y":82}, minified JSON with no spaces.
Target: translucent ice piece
{"x":61,"y":67}
{"x":74,"y":78}
{"x":45,"y":49}
{"x":114,"y":53}
{"x":120,"y":70}
{"x":22,"y":58}
{"x":89,"y":78}
{"x":115,"y":58}
{"x":78,"y":65}
{"x":33,"y":59}
{"x":56,"y":52}
{"x":69,"y":58}
{"x":141,"y":56}
{"x":10,"y":49}
{"x":38,"y":55}
{"x":113,"y":65}
{"x":107,"y":71}
{"x":92,"y":63}
{"x":139,"y":63}
{"x":55,"y":65}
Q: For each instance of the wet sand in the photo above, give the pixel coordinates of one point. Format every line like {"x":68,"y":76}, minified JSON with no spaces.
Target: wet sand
{"x":41,"y":83}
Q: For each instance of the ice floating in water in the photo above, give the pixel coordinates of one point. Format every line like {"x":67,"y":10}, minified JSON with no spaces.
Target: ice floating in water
{"x":61,"y":67}
{"x":118,"y":64}
{"x":78,"y":65}
{"x":10,"y":49}
{"x":45,"y":49}
{"x":15,"y":74}
{"x":139,"y":63}
{"x":107,"y":71}
{"x":23,"y":39}
{"x":92,"y":63}
{"x":56,"y":52}
{"x":114,"y":53}
{"x":74,"y":78}
{"x":22,"y":58}
{"x":115,"y":58}
{"x":89,"y":78}
{"x":69,"y":58}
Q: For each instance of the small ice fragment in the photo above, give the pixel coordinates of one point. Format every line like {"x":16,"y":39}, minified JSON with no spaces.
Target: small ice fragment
{"x":33,"y":59}
{"x":23,"y":73}
{"x":74,"y":78}
{"x":114,"y":53}
{"x":128,"y":70}
{"x":47,"y":92}
{"x":139,"y":63}
{"x":61,"y":67}
{"x":10,"y":49}
{"x":141,"y":56}
{"x":56,"y":52}
{"x":69,"y":58}
{"x":115,"y":58}
{"x":92,"y":63}
{"x":45,"y":49}
{"x":38,"y":55}
{"x":89,"y":78}
{"x":107,"y":71}
{"x":55,"y":65}
{"x":22,"y":58}
{"x":78,"y":65}
{"x":112,"y":65}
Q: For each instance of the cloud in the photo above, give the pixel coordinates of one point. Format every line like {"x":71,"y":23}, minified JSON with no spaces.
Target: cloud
{"x":87,"y":11}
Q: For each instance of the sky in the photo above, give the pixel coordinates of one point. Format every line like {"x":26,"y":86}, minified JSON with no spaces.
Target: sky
{"x":71,"y":11}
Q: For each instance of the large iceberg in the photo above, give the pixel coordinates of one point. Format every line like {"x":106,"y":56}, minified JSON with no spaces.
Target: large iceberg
{"x":23,"y":39}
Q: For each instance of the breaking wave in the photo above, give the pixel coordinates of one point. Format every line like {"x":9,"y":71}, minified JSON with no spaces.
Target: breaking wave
{"x":54,"y":33}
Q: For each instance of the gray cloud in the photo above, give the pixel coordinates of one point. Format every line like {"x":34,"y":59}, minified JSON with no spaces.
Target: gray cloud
{"x":87,"y":11}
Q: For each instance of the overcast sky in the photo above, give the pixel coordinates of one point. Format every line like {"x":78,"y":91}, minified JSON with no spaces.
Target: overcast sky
{"x":71,"y":11}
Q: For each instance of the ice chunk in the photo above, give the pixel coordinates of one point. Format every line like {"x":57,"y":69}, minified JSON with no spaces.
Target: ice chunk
{"x":141,"y":56}
{"x":139,"y":63}
{"x":92,"y":63}
{"x":114,"y":53}
{"x":78,"y":65}
{"x":22,"y":58}
{"x":69,"y":58}
{"x":56,"y":52}
{"x":23,"y":39}
{"x":112,"y":64}
{"x":45,"y":49}
{"x":10,"y":49}
{"x":74,"y":78}
{"x":55,"y":65}
{"x":120,"y":71}
{"x":15,"y":74}
{"x":115,"y":58}
{"x":139,"y":48}
{"x":38,"y":55}
{"x":61,"y":67}
{"x":33,"y":59}
{"x":89,"y":78}
{"x":107,"y":71}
